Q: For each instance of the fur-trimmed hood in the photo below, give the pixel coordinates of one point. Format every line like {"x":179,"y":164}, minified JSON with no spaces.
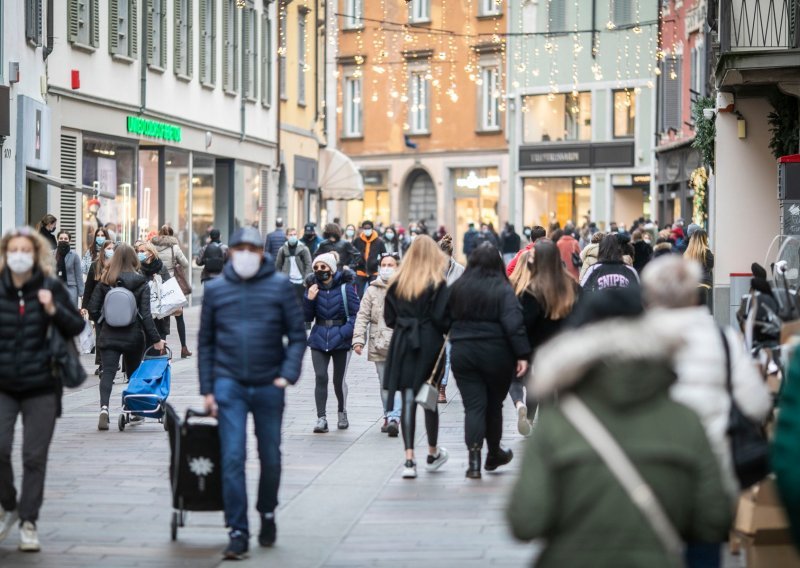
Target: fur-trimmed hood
{"x":164,"y":241}
{"x":565,"y":361}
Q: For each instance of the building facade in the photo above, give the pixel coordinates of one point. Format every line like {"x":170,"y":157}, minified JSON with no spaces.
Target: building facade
{"x":421,"y":111}
{"x":581,"y":110}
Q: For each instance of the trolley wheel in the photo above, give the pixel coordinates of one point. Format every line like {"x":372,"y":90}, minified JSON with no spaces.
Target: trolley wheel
{"x":174,"y":527}
{"x":121,"y":422}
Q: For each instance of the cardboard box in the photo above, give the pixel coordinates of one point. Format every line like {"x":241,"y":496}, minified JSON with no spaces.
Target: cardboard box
{"x":770,"y":549}
{"x":760,"y":509}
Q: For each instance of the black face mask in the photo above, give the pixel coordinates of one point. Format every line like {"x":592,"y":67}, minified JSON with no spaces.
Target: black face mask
{"x":63,"y":248}
{"x":322,"y":275}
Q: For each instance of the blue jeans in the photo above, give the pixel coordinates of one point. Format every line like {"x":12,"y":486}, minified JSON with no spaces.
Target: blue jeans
{"x":446,"y":376}
{"x":235,"y":400}
{"x":394,"y":415}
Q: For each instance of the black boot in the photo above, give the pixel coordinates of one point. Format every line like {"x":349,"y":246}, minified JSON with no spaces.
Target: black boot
{"x":474,"y":471}
{"x":498,"y":458}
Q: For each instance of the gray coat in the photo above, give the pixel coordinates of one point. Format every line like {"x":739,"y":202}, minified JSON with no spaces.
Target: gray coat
{"x":74,"y":281}
{"x":283,"y":259}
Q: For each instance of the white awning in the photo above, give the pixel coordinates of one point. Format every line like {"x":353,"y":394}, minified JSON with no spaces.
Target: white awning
{"x":339,"y":177}
{"x":68,"y":185}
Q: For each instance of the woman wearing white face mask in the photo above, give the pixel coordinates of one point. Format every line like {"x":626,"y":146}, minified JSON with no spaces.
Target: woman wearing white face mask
{"x":156,"y":272}
{"x":369,"y":321}
{"x":31,"y":300}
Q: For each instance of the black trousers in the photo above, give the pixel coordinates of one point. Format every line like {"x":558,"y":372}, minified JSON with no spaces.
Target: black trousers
{"x":320,"y":360}
{"x":408,"y":421}
{"x":181,"y":325}
{"x":483,"y":371}
{"x":132,"y":357}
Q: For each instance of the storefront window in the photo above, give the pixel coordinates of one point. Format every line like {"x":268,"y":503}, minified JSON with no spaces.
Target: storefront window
{"x":476,"y":193}
{"x":247,"y":195}
{"x":624,"y":113}
{"x":557,"y":118}
{"x":148,"y":222}
{"x":376,"y":203}
{"x":177,"y":204}
{"x":551,"y":200}
{"x":110,"y":166}
{"x":202,"y":204}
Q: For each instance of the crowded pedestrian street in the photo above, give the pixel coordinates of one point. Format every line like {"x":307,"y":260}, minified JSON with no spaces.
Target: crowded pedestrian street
{"x":342,"y":500}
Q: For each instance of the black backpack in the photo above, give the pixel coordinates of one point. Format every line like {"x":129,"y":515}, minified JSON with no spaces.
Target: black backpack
{"x":214,"y":258}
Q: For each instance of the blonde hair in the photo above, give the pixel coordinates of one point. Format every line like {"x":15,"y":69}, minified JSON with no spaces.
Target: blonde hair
{"x":148,"y":246}
{"x":698,"y":246}
{"x":423,"y":267}
{"x":42,"y":257}
{"x":521,"y":276}
{"x":124,"y":260}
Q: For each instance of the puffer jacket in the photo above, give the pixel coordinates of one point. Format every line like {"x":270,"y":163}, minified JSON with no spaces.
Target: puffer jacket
{"x":701,"y":369}
{"x":589,"y":258}
{"x":370,"y":321}
{"x":122,"y":338}
{"x":242,"y":325}
{"x":329,"y":305}
{"x":566,"y":494}
{"x":24,"y":348}
{"x":170,"y":253}
{"x":348,"y":254}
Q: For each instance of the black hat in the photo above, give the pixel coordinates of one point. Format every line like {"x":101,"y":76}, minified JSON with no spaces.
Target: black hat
{"x":309,"y":228}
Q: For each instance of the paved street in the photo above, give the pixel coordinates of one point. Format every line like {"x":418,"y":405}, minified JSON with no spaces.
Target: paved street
{"x":343,"y":503}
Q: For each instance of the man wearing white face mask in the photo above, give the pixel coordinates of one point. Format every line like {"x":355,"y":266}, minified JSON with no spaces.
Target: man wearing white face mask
{"x":244,"y":368}
{"x":371,"y":247}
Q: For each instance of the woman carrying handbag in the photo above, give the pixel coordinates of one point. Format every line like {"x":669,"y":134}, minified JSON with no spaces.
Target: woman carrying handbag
{"x":416,"y":309}
{"x":176,"y":263}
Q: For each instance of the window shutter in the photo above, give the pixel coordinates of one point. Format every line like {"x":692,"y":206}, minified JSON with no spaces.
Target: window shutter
{"x":264,"y":199}
{"x":226,"y":39}
{"x":72,"y":20}
{"x":179,"y":39}
{"x":203,"y":42}
{"x":113,"y":26}
{"x":253,"y":57}
{"x":133,"y":28}
{"x":150,"y":7}
{"x":246,"y":52}
{"x":623,"y":12}
{"x":266,"y":60}
{"x":95,"y":17}
{"x":68,"y":218}
{"x":189,"y":18}
{"x":672,"y":94}
{"x":557,"y":16}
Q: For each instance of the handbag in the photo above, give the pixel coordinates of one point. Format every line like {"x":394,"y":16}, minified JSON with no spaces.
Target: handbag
{"x":428,"y":394}
{"x":180,"y":275}
{"x":171,"y":298}
{"x":748,"y":441}
{"x":601,"y":441}
{"x":64,"y":359}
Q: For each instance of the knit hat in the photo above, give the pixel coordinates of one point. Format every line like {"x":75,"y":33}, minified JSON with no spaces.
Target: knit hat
{"x":692,"y":229}
{"x":329,"y":259}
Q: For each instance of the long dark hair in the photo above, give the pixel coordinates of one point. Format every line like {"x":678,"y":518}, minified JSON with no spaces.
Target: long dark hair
{"x":60,"y":256}
{"x":551,"y":284}
{"x":610,"y":249}
{"x":93,"y":246}
{"x":477,"y":294}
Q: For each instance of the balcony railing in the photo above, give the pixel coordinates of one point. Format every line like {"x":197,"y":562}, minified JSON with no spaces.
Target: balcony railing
{"x":758,"y":25}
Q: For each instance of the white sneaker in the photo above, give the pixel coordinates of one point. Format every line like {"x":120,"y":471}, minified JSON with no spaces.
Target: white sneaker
{"x":523,"y":424}
{"x":102,"y":421}
{"x":435,"y":462}
{"x":7,"y":520}
{"x":410,"y":470}
{"x":29,"y":538}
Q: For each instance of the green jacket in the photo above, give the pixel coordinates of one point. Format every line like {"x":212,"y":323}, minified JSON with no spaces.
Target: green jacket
{"x":566,"y":495}
{"x":786,"y":446}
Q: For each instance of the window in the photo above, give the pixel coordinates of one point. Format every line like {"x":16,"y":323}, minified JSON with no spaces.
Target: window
{"x":33,"y":22}
{"x":183,"y":38}
{"x":208,"y":42}
{"x":698,"y":69}
{"x":123,"y":28}
{"x":624,"y":113}
{"x":557,"y":118}
{"x":557,"y":16}
{"x":249,"y":53}
{"x":266,"y":59}
{"x":352,"y":106}
{"x":489,"y":7}
{"x":302,"y":40}
{"x":622,"y":12}
{"x":419,"y":11}
{"x":546,"y":200}
{"x":489,"y":99}
{"x":670,"y":79}
{"x":83,"y":22}
{"x":157,"y":33}
{"x":282,"y":52}
{"x":418,"y":100}
{"x":354,"y":11}
{"x":230,"y":45}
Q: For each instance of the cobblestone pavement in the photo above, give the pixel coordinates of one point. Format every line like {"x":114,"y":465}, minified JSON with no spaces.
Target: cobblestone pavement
{"x":343,"y":503}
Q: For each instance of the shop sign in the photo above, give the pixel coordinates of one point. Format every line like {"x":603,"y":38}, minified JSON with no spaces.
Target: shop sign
{"x":601,"y":155}
{"x":628,"y":180}
{"x":372,"y":177}
{"x":472,"y":181}
{"x":154,"y":129}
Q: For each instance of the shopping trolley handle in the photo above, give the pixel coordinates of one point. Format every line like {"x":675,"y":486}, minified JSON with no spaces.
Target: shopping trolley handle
{"x":160,"y":355}
{"x":192,"y":413}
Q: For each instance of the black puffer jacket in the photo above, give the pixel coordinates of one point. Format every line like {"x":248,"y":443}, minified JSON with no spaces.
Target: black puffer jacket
{"x":348,"y":254}
{"x":24,"y":349}
{"x":123,"y":338}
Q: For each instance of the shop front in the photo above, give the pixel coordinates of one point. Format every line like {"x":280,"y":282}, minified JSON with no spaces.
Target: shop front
{"x":476,"y":199}
{"x":549,"y":200}
{"x":675,"y":194}
{"x":631,"y":197}
{"x":376,"y":204}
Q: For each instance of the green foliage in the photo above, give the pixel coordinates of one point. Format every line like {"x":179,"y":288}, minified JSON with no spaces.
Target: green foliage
{"x":784,"y":124}
{"x":704,"y":131}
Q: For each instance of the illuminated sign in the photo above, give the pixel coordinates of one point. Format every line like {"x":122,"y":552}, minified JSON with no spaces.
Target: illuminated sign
{"x":154,"y":129}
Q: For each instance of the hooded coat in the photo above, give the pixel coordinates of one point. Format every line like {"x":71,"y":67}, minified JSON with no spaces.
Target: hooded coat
{"x":170,"y":253}
{"x":589,"y":257}
{"x":242,"y":326}
{"x":371,"y":323}
{"x":567,"y":495}
{"x":369,"y":248}
{"x":348,"y":254}
{"x":330,"y":305}
{"x":123,"y":338}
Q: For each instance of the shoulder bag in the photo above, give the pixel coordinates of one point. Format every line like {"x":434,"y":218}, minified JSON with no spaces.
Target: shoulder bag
{"x":428,"y":394}
{"x":599,"y":438}
{"x":180,"y":274}
{"x":748,"y":441}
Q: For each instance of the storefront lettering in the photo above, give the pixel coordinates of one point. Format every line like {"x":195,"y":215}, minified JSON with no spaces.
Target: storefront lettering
{"x":472,"y":181}
{"x":154,"y":129}
{"x":555,"y":157}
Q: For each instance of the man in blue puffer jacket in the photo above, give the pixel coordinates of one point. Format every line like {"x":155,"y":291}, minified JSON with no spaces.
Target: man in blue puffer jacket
{"x":244,"y":368}
{"x":332,"y":304}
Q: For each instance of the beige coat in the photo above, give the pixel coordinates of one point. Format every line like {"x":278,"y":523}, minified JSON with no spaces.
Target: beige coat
{"x":170,"y":253}
{"x":370,"y":320}
{"x":589,"y":257}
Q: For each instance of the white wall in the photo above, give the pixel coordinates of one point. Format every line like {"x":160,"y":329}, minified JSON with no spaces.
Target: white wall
{"x":745,"y":205}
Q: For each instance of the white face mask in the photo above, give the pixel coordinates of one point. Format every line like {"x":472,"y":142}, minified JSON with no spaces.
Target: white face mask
{"x":246,"y":263}
{"x":368,"y":233}
{"x":385,"y":273}
{"x":389,"y":235}
{"x":19,"y":262}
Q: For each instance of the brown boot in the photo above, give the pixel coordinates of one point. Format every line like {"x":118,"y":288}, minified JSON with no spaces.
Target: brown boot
{"x":185,"y":352}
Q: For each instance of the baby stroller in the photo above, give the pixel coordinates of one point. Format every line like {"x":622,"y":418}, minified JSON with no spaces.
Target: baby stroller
{"x":195,"y":470}
{"x":148,"y":389}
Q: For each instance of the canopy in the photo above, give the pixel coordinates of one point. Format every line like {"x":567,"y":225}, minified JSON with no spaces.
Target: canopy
{"x":339,"y":177}
{"x":64,"y":184}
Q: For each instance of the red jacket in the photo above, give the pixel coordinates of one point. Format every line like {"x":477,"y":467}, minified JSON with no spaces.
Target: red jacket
{"x":567,"y":246}
{"x":515,"y":260}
